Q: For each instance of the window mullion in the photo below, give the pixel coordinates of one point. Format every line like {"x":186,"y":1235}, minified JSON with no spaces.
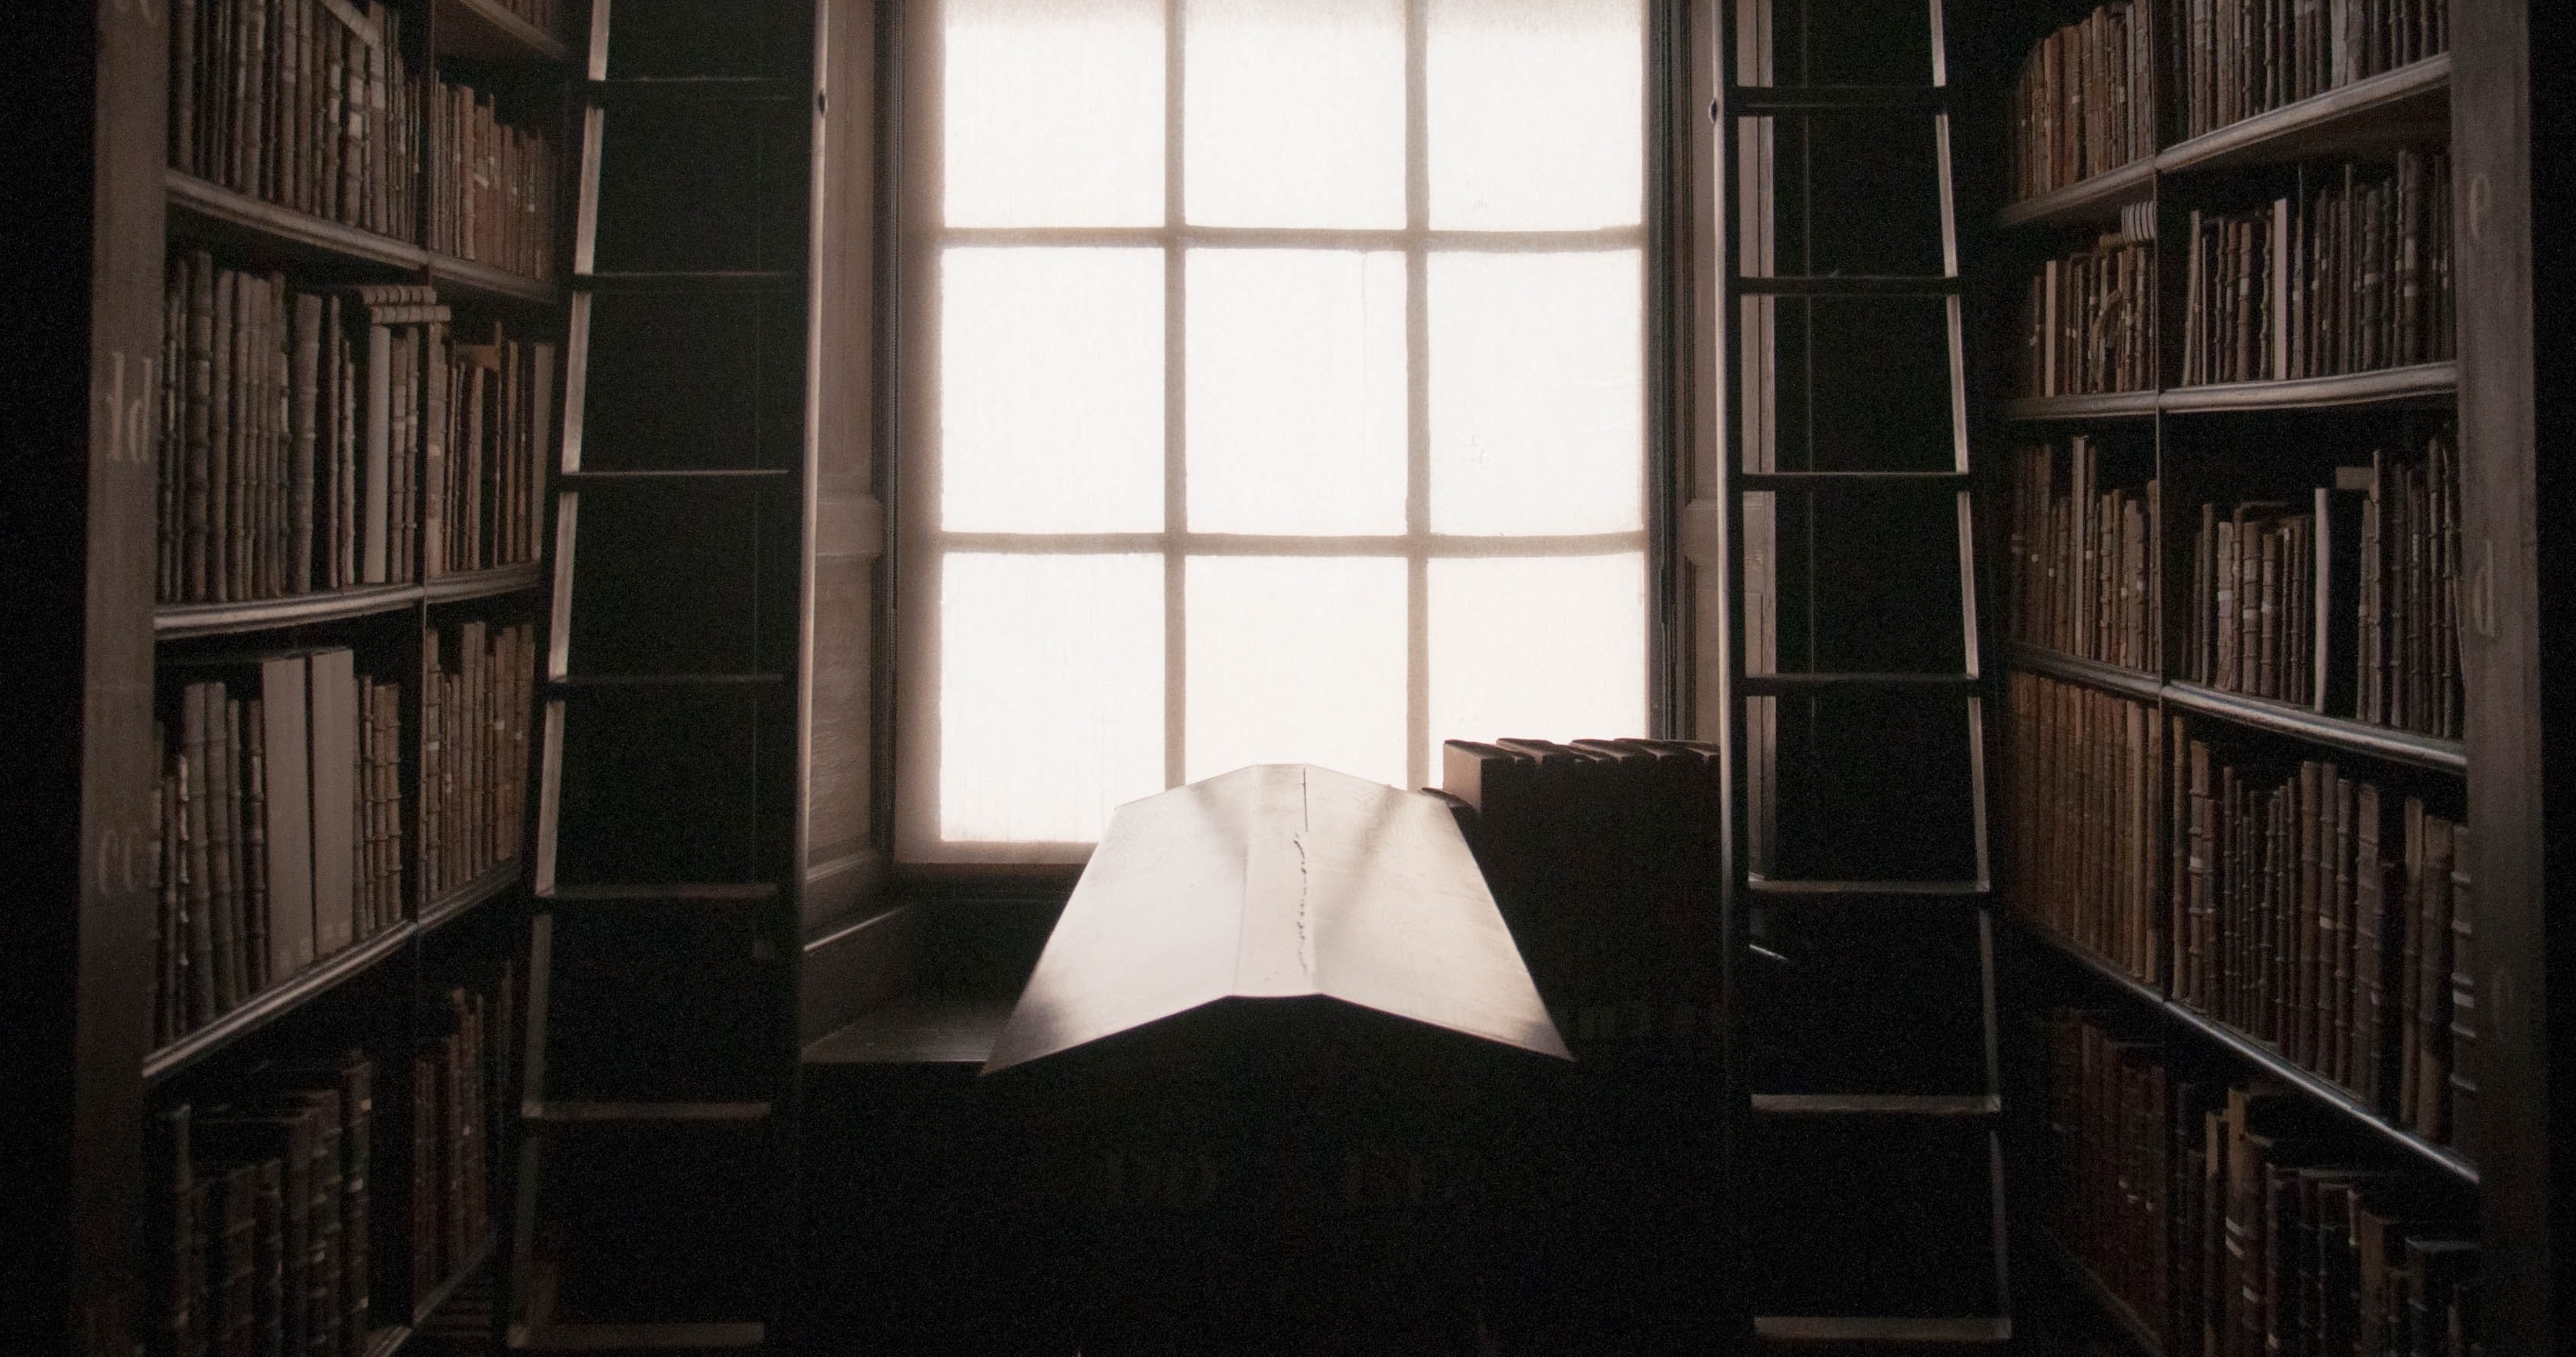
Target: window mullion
{"x":1417,"y":396}
{"x":1175,"y":404}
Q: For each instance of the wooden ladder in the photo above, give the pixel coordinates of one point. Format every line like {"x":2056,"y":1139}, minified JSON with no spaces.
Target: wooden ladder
{"x":653,"y":1182}
{"x":1868,"y":1158}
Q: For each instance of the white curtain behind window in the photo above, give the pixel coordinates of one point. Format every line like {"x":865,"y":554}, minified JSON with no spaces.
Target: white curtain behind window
{"x":1274,"y":392}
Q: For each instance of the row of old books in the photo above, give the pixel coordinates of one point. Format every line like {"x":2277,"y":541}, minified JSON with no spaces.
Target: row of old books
{"x":2233,"y":59}
{"x":317,"y":441}
{"x":1600,"y":854}
{"x":2355,"y":277}
{"x":308,"y":104}
{"x":2317,"y":913}
{"x":2085,"y":101}
{"x":263,"y":1217}
{"x":2331,"y":919}
{"x":2089,"y":321}
{"x":492,"y":186}
{"x":454,"y":1081}
{"x":475,"y":709}
{"x":2086,"y":799}
{"x":2346,"y":602}
{"x":2084,"y":579}
{"x":282,"y":415}
{"x":2226,"y":1225}
{"x":281,"y":826}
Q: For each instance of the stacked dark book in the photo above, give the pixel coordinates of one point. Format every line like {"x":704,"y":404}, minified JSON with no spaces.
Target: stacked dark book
{"x":2356,"y":277}
{"x":1602,"y":856}
{"x":454,"y":1080}
{"x":2345,"y":601}
{"x":2090,"y":321}
{"x":281,"y":826}
{"x":491,"y":186}
{"x":2225,"y":1227}
{"x":485,"y":477}
{"x":2084,"y":579}
{"x":265,"y":1218}
{"x":2085,"y":102}
{"x":2233,"y":59}
{"x":308,"y":104}
{"x":2318,"y":913}
{"x":476,"y":692}
{"x":2086,"y":803}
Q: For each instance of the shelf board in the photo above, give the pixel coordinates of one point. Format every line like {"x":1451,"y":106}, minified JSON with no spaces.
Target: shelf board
{"x":486,"y":31}
{"x":507,"y":579}
{"x":2093,"y":673}
{"x":281,"y":228}
{"x":173,"y":621}
{"x":274,"y":1002}
{"x":2280,"y":718}
{"x":2262,"y":1056}
{"x":2392,"y":107}
{"x":2140,"y":1334}
{"x":2109,"y":405}
{"x":2096,"y":199}
{"x":495,"y":879}
{"x":2383,"y":742}
{"x":387,"y":1341}
{"x":2418,"y":381}
{"x":486,"y":283}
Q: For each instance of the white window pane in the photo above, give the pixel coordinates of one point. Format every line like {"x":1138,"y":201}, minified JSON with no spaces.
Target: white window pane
{"x":1536,"y":114}
{"x":1296,"y":391}
{"x":1294,"y":112}
{"x":1296,"y":660}
{"x":1050,"y":694}
{"x":1537,"y":393}
{"x":1051,"y":390}
{"x":1547,"y":649}
{"x":1054,"y":112}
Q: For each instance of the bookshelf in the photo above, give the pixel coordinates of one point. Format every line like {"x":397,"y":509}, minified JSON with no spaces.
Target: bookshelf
{"x":297,"y":204}
{"x":2278,"y":436}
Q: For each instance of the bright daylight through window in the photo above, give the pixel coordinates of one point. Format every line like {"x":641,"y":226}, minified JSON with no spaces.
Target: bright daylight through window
{"x":1275,"y":382}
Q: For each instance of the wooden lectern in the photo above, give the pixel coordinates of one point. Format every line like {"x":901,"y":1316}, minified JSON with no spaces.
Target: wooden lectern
{"x":1275,"y":1065}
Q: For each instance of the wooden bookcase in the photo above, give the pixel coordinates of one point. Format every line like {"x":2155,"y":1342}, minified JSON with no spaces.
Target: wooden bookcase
{"x":385,"y":993}
{"x":2250,"y":440}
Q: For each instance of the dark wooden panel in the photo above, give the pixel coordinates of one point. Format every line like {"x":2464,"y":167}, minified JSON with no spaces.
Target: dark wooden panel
{"x":1864,"y":997}
{"x":675,"y":380}
{"x":1860,"y":384}
{"x":661,"y":785}
{"x":661,"y":1223}
{"x":1868,"y":581}
{"x":1850,"y":42}
{"x":1874,"y":785}
{"x":1876,"y":211}
{"x":703,"y":185}
{"x":1871,"y":1216}
{"x":667,"y":578}
{"x":671,"y":1002}
{"x":678,"y":39}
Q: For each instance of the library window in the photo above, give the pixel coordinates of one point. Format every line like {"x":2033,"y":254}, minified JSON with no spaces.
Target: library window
{"x":1273,"y":377}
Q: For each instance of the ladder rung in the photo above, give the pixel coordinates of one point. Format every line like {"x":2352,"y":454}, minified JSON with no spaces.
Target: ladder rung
{"x":579,"y":682}
{"x":1766,"y":886}
{"x":1768,"y":685}
{"x":1883,"y":1329}
{"x":711,"y":892}
{"x":699,"y":87}
{"x":693,"y":280}
{"x":1763,"y":99}
{"x":671,"y":476}
{"x":1848,"y":285}
{"x":569,"y":1112}
{"x":1879,"y":1104}
{"x":614,"y":1337}
{"x":1848,"y":480}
